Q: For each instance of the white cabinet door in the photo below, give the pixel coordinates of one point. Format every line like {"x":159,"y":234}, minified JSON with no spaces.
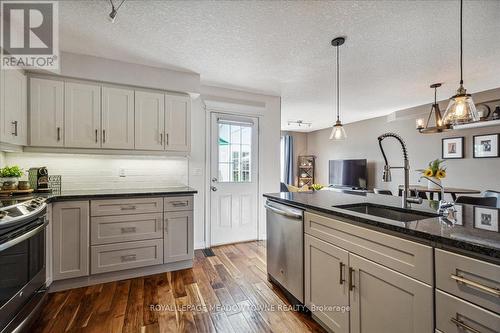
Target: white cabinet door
{"x":177,"y":123}
{"x":46,"y":112}
{"x":326,"y":288}
{"x":117,"y":118}
{"x":383,"y":300}
{"x":178,"y":236}
{"x":149,"y":120}
{"x":70,"y":239}
{"x":14,"y":111}
{"x":82,"y":115}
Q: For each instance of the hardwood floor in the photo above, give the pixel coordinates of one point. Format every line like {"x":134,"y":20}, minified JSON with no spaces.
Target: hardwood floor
{"x":225,"y":293}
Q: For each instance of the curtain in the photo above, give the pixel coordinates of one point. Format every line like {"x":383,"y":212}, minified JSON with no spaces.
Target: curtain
{"x":287,"y":160}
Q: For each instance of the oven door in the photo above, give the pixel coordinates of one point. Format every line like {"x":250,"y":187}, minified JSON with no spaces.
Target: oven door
{"x":22,"y":271}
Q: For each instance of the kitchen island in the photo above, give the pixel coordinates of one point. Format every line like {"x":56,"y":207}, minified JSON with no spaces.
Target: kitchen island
{"x":413,"y":270}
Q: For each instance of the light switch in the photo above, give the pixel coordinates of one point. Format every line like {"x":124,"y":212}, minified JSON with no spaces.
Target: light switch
{"x":196,"y":171}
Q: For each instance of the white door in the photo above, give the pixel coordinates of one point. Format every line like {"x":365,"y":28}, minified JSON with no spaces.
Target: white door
{"x":117,"y":118}
{"x":82,"y":115}
{"x":233,"y":180}
{"x":46,"y":113}
{"x":177,"y":123}
{"x":149,"y":120}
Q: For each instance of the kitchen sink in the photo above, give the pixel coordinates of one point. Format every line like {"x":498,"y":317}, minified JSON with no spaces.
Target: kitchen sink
{"x":387,"y":212}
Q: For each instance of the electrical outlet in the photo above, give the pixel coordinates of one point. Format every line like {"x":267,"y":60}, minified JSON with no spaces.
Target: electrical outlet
{"x":121,"y":172}
{"x":196,"y":171}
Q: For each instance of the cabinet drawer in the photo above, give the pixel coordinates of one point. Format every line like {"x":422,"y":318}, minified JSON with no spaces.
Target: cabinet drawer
{"x":471,"y":279}
{"x":123,"y":228}
{"x":172,"y":204}
{"x":119,"y":256}
{"x":404,"y":256}
{"x":126,"y":206}
{"x":454,"y":315}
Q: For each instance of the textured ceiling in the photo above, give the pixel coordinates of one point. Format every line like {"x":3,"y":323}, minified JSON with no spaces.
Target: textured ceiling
{"x":394,"y":49}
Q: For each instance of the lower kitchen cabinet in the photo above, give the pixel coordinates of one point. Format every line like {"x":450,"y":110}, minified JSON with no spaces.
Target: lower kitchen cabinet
{"x":326,"y":284}
{"x":383,"y":300}
{"x":70,"y":239}
{"x":178,"y":236}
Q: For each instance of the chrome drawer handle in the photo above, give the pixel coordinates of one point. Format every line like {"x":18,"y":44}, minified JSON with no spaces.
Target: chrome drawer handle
{"x":486,"y":289}
{"x":127,"y":230}
{"x":463,"y":325}
{"x":130,"y":257}
{"x":179,"y":203}
{"x":127,"y":207}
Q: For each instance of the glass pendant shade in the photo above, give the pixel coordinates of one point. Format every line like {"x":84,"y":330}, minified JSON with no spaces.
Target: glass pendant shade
{"x":460,"y":110}
{"x":338,"y":132}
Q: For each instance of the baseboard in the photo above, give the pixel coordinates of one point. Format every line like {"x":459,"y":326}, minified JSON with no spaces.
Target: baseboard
{"x":199,"y":246}
{"x":85,"y":281}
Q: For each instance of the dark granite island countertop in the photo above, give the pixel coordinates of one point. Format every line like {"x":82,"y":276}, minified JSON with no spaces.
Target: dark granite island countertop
{"x":469,"y":236}
{"x":116,"y":193}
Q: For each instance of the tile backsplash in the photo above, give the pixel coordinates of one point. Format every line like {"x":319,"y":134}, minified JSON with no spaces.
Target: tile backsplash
{"x":90,"y":172}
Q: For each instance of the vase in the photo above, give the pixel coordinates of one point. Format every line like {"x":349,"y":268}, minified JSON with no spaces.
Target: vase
{"x":432,"y":186}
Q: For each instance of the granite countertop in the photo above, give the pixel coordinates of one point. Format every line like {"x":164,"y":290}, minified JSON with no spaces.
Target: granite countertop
{"x":469,"y":234}
{"x":116,"y":193}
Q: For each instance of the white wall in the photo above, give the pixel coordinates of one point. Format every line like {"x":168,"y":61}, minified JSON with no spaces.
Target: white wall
{"x":480,"y":174}
{"x":91,"y":172}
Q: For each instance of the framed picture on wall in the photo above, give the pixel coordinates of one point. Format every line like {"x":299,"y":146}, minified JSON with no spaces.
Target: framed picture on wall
{"x":486,"y":218}
{"x":485,"y":146}
{"x":453,"y":148}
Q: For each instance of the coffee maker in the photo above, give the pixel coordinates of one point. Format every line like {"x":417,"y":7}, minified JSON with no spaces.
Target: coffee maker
{"x":39,"y":179}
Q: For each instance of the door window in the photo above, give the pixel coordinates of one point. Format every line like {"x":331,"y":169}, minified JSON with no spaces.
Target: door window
{"x":235,"y":151}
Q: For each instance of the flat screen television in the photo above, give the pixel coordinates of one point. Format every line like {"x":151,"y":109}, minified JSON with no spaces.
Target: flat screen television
{"x":348,"y":173}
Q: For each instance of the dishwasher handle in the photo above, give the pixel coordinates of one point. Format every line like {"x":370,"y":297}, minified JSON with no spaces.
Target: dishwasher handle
{"x":284,"y":212}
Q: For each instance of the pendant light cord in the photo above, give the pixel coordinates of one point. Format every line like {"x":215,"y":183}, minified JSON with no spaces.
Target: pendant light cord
{"x":338,"y":86}
{"x":461,"y":48}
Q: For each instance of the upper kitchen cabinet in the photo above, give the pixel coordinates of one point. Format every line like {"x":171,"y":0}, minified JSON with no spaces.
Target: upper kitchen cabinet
{"x":14,"y":108}
{"x":82,"y":115}
{"x":46,"y":112}
{"x":149,"y":120}
{"x":177,"y":123}
{"x":117,"y":118}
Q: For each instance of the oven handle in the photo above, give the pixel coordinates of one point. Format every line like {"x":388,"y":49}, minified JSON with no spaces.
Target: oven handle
{"x":23,"y":237}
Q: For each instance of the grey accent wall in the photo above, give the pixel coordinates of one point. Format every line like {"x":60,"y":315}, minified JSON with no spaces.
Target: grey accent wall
{"x":362,"y":142}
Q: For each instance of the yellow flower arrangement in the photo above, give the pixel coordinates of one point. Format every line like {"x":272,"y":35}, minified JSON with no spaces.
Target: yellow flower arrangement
{"x":434,"y":169}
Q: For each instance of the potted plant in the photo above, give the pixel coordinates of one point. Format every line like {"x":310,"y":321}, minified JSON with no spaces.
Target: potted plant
{"x":436,"y":171}
{"x":10,"y":176}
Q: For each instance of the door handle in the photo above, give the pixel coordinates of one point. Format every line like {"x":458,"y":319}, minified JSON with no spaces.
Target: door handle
{"x":161,"y":138}
{"x":214,"y":179}
{"x":341,"y":272}
{"x":351,"y":279}
{"x":103,"y":136}
{"x":58,"y":133}
{"x":96,"y":136}
{"x":15,"y":127}
{"x":213,"y":188}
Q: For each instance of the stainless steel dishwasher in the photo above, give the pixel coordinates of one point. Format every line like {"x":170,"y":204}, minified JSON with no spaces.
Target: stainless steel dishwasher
{"x":285,"y":249}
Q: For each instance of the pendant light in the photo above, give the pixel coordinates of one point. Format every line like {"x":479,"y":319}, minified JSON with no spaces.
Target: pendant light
{"x":338,"y":131}
{"x":427,"y":128}
{"x":461,"y":108}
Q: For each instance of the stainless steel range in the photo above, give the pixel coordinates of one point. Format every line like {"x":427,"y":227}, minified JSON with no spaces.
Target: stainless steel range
{"x":22,"y":262}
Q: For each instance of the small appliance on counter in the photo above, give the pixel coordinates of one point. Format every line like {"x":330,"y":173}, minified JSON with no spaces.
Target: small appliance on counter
{"x":39,"y":179}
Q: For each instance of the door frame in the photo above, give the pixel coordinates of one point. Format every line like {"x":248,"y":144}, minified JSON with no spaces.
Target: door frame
{"x":208,"y":163}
